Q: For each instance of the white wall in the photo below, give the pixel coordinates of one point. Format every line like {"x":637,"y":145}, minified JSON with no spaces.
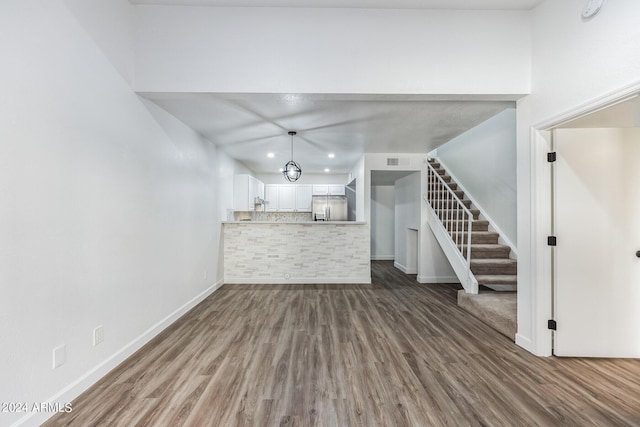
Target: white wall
{"x":382,"y":222}
{"x":108,"y":213}
{"x":325,"y":50}
{"x":407,"y":215}
{"x":483,"y":161}
{"x":306,"y":178}
{"x":574,"y":63}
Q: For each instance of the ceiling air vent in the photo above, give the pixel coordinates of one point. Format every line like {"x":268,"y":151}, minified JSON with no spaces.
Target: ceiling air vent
{"x":392,"y":161}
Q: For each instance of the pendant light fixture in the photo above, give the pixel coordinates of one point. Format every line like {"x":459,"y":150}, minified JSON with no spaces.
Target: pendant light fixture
{"x":292,"y":170}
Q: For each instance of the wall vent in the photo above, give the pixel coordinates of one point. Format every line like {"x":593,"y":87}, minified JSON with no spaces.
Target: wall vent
{"x":395,"y":161}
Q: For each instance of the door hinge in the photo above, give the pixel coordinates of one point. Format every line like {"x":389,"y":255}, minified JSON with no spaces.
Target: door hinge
{"x":551,"y":324}
{"x":552,"y":241}
{"x":551,"y":157}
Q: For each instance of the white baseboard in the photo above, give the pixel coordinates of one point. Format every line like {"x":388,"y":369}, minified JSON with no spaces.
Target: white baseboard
{"x":363,"y":280}
{"x":80,"y":385}
{"x":438,"y":279}
{"x":404,"y":269}
{"x":382,"y":257}
{"x":524,"y":342}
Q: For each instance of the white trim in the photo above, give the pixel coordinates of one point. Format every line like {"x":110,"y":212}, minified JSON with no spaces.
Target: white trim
{"x":404,"y":269}
{"x":540,"y":342}
{"x":454,"y":256}
{"x":382,"y":257}
{"x":483,"y":213}
{"x":438,"y":279}
{"x":524,"y":342}
{"x":360,"y":280}
{"x":73,"y":390}
{"x":597,"y":103}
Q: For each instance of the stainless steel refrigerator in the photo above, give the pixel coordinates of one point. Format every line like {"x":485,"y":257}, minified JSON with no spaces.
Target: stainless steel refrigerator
{"x":329,"y":208}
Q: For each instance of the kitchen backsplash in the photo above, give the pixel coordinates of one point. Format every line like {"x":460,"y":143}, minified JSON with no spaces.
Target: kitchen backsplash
{"x":273,"y":216}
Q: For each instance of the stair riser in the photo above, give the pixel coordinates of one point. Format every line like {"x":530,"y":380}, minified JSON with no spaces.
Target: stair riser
{"x":443,"y":194}
{"x":491,"y":239}
{"x":494,"y":270}
{"x":454,"y":215}
{"x":487,"y":253}
{"x":448,"y":203}
{"x":462,"y":225}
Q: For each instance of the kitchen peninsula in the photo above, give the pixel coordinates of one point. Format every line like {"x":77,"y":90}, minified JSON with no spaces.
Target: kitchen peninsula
{"x":295,"y":251}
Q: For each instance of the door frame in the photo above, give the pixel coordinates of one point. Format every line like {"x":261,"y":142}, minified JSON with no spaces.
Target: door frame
{"x":542,"y":273}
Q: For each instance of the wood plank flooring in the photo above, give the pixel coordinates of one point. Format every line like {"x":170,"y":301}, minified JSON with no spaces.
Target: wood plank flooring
{"x":394,"y":353}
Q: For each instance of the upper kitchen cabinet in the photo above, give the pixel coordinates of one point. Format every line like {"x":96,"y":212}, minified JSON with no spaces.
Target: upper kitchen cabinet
{"x":303,"y":198}
{"x":271,"y":195}
{"x":336,"y":190}
{"x":286,"y":198}
{"x":320,"y":189}
{"x":247,"y":190}
{"x":328,"y":190}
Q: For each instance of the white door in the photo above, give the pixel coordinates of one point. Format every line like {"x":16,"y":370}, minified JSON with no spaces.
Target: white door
{"x":597,"y":292}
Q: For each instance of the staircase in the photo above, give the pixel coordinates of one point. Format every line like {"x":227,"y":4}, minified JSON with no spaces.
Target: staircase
{"x":474,"y":250}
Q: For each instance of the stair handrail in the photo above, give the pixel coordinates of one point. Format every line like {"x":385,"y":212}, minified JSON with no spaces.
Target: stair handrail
{"x":435,"y":184}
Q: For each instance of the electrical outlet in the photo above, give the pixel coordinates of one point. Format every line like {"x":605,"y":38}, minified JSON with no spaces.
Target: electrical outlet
{"x":98,"y":335}
{"x":204,"y":275}
{"x":59,"y":356}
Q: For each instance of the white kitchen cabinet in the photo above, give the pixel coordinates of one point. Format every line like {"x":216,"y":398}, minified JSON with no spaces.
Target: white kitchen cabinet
{"x":286,"y":198}
{"x":303,"y":197}
{"x":245,"y":190}
{"x":336,"y":190}
{"x":320,"y":189}
{"x":328,"y":189}
{"x":271,"y":197}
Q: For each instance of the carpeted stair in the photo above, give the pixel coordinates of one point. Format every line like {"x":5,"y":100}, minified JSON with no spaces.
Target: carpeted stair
{"x":491,"y":265}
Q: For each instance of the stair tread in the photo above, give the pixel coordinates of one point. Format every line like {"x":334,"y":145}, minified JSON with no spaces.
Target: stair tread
{"x":497,"y":279}
{"x":493,"y":261}
{"x":488,"y":246}
{"x":478,"y":233}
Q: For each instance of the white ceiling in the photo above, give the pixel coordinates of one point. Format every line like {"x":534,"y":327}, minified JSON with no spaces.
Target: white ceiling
{"x":249,"y":126}
{"x":368,"y":4}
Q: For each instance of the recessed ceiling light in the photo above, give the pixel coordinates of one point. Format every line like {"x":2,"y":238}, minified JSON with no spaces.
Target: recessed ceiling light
{"x":270,"y":155}
{"x":327,"y":170}
{"x":331,"y":155}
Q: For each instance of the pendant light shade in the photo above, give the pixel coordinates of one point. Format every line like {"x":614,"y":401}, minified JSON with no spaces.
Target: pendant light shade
{"x":292,"y":170}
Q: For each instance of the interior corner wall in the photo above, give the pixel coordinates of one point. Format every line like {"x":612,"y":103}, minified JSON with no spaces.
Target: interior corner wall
{"x":382,"y":222}
{"x":109,"y":211}
{"x":98,"y":19}
{"x":483,"y":161}
{"x":574,"y":62}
